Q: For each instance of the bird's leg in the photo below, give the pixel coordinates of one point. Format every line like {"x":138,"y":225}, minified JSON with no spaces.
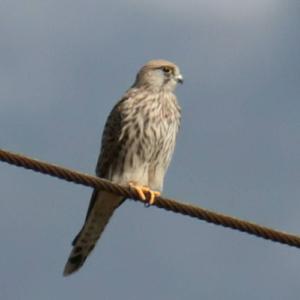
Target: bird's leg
{"x":145,"y":192}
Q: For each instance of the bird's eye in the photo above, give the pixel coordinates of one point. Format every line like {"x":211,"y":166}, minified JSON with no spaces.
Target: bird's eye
{"x":167,"y":69}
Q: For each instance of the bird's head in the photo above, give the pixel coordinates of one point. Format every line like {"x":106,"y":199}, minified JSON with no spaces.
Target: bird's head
{"x":159,"y":75}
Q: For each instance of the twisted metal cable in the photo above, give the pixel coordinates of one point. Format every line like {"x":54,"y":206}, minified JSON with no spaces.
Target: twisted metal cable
{"x":161,"y":202}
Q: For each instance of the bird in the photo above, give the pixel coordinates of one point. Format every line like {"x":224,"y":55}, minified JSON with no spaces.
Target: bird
{"x":137,"y":144}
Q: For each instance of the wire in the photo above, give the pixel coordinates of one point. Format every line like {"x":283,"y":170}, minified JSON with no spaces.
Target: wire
{"x":161,"y":202}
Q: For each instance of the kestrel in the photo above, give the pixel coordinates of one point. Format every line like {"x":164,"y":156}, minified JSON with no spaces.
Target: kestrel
{"x":137,"y":145}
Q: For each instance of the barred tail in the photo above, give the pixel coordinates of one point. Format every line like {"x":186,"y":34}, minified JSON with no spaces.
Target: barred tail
{"x":101,"y":209}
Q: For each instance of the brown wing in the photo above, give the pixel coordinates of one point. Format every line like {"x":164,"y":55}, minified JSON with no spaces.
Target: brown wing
{"x":109,"y":144}
{"x":110,"y":147}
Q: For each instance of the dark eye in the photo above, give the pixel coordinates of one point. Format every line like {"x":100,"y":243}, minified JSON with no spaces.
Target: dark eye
{"x":167,"y":69}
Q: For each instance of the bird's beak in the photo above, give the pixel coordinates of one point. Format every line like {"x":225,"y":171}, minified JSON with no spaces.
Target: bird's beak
{"x":179,"y":78}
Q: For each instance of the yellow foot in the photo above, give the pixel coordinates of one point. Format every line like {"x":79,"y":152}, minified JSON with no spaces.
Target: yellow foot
{"x":145,"y":193}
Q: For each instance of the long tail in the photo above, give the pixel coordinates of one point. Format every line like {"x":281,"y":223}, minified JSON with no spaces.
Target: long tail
{"x":101,"y":209}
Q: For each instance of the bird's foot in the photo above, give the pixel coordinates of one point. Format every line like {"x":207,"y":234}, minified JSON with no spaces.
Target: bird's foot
{"x":145,"y":193}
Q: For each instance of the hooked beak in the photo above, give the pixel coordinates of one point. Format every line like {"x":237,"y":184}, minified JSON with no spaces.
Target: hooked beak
{"x":179,"y":78}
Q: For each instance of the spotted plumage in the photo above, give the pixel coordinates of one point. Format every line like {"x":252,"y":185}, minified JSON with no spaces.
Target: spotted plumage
{"x":137,"y":145}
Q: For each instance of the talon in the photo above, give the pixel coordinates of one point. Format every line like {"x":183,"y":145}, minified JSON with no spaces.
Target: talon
{"x":153,"y":195}
{"x":139,"y":189}
{"x":143,"y":191}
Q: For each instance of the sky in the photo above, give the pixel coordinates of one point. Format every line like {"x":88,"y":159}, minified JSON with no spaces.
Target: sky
{"x":64,"y":64}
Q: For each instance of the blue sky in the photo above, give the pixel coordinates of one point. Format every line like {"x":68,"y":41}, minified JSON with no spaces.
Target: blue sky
{"x":63,"y":66}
